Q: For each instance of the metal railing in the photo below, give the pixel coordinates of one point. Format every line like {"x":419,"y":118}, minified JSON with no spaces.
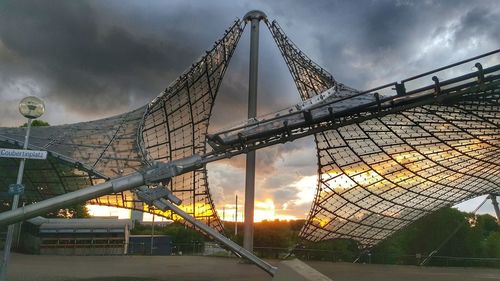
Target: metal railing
{"x":83,"y":246}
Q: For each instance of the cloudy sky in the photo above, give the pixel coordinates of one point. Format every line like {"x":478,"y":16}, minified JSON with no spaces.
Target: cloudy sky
{"x":92,"y":59}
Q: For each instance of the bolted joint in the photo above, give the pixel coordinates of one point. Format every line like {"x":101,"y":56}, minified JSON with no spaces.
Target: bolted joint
{"x":480,"y":74}
{"x":437,"y":86}
{"x":400,"y":89}
{"x":151,"y":195}
{"x":377,"y":99}
{"x":160,"y":172}
{"x":255,"y":15}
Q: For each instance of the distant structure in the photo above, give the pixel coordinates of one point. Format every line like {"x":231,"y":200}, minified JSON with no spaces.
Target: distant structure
{"x":79,"y":237}
{"x":137,"y":216}
{"x":386,"y":156}
{"x":141,"y":245}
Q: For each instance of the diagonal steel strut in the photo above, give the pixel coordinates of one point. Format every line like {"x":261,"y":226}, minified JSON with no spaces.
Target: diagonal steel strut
{"x":155,"y":175}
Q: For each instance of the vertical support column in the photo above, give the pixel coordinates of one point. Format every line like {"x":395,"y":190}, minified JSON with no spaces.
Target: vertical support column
{"x":495,"y":206}
{"x":254,"y":17}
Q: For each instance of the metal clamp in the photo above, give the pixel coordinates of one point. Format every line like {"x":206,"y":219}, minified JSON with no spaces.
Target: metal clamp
{"x":162,"y":172}
{"x":377,"y":99}
{"x":437,"y":87}
{"x":480,"y":74}
{"x":400,"y":89}
{"x":151,"y":195}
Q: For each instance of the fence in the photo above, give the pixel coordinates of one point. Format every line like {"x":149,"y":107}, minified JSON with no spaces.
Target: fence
{"x":82,"y":246}
{"x":415,"y":259}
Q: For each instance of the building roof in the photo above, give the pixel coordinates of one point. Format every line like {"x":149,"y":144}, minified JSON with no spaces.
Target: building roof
{"x":72,"y":224}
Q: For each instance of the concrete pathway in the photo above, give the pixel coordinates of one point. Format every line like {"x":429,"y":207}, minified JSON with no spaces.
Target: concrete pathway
{"x":189,"y":268}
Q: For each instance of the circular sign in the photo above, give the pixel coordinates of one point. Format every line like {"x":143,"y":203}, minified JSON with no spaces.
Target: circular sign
{"x":31,"y":107}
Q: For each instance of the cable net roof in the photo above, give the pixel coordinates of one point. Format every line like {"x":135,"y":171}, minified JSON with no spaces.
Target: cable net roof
{"x":377,"y":176}
{"x":174,"y":125}
{"x":80,"y":154}
{"x":382,"y":174}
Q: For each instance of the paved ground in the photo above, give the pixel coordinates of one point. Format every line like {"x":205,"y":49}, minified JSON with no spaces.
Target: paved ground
{"x":144,"y":268}
{"x":380,"y":272}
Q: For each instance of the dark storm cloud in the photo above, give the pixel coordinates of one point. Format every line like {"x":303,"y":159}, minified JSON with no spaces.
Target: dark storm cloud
{"x":297,"y":156}
{"x":82,"y":59}
{"x":366,"y":42}
{"x":479,"y":22}
{"x":96,"y":55}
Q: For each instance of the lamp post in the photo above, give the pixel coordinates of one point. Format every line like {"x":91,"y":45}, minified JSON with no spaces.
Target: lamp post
{"x":31,"y":108}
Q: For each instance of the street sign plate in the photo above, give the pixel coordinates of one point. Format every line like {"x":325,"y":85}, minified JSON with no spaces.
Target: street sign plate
{"x":16,"y":189}
{"x":19,"y":153}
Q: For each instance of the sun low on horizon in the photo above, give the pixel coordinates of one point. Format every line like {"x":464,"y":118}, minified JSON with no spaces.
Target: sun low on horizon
{"x":268,"y":206}
{"x":264,"y":211}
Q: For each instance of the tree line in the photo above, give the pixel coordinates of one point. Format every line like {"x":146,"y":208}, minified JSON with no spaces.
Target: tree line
{"x":470,"y":240}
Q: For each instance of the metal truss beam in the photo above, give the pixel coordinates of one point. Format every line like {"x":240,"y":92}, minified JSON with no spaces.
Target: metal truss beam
{"x":296,"y":122}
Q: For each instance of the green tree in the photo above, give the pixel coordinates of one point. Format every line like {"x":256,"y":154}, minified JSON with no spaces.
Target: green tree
{"x":455,"y":233}
{"x":179,"y":233}
{"x":491,"y":245}
{"x":76,"y":211}
{"x":37,"y":123}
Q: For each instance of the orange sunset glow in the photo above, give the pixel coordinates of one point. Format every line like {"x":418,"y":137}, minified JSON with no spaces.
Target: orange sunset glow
{"x":266,"y":207}
{"x":264,"y":210}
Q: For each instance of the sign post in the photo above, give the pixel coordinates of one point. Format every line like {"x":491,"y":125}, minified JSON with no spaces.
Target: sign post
{"x":31,"y":108}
